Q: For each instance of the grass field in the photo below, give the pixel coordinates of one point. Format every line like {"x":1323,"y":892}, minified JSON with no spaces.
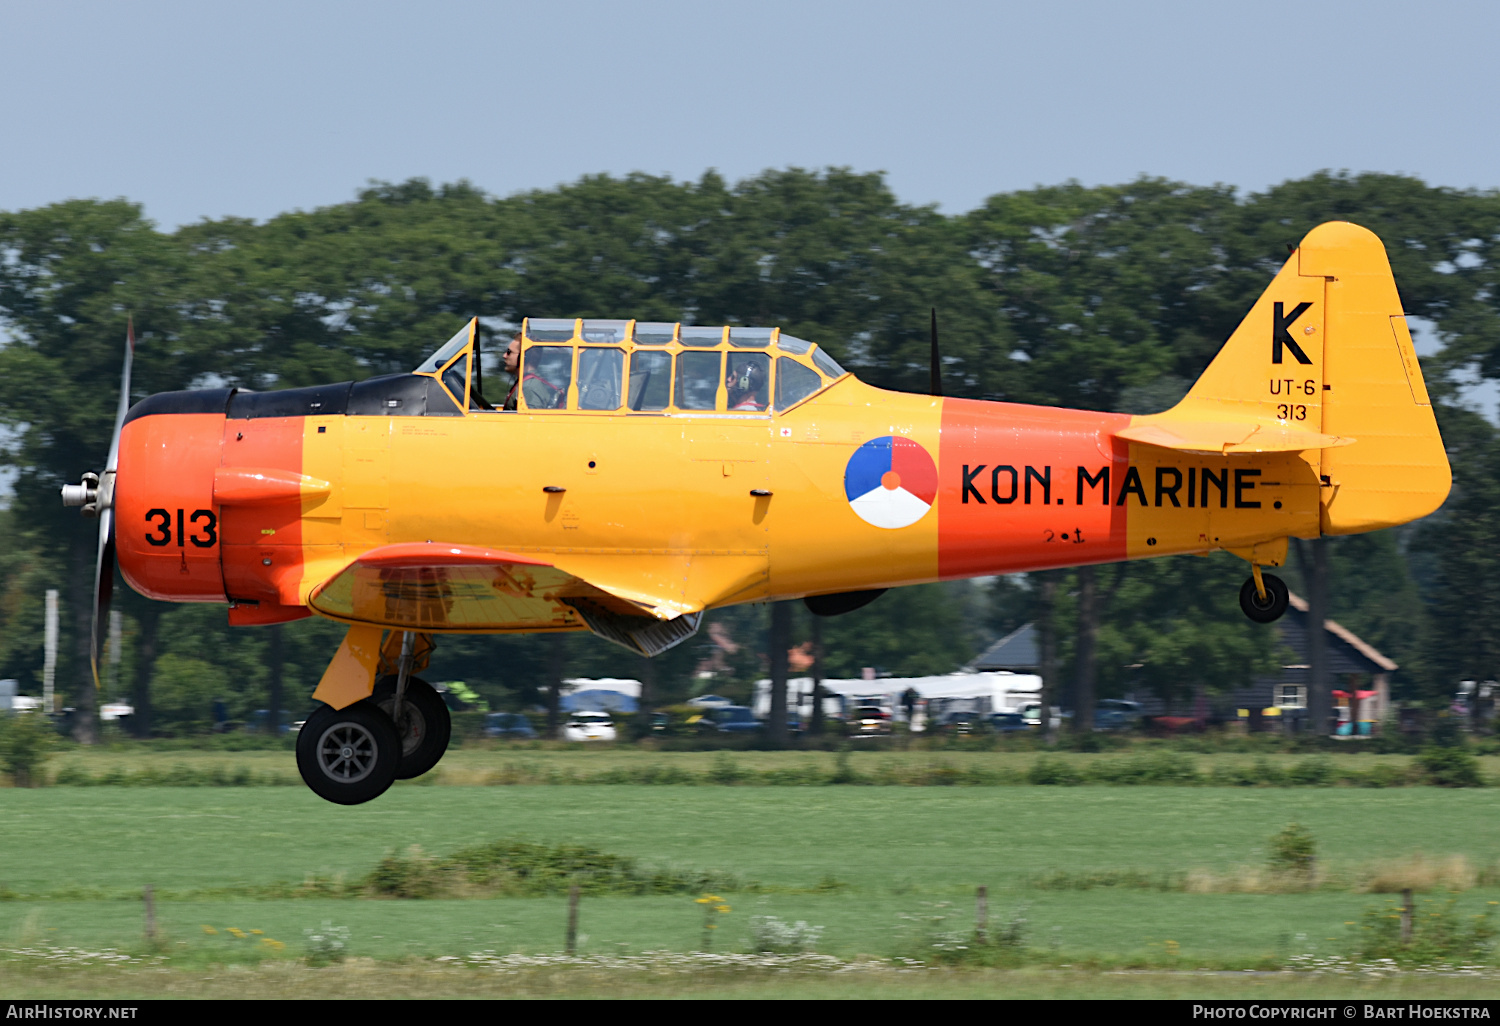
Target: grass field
{"x":881,"y":869}
{"x":489,"y":762}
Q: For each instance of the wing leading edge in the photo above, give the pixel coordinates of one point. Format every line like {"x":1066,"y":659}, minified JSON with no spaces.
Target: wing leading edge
{"x":434,"y":587}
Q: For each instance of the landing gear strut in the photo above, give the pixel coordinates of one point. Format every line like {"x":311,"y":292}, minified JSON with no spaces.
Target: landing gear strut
{"x":1264,"y":597}
{"x":420,"y":716}
{"x":423,"y":723}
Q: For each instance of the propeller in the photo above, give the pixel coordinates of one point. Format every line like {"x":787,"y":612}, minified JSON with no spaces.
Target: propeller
{"x":96,"y":494}
{"x":937,"y":361}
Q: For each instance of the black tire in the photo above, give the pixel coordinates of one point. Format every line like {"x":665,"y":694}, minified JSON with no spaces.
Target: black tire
{"x":427,"y":726}
{"x":350,"y":755}
{"x":1270,"y":608}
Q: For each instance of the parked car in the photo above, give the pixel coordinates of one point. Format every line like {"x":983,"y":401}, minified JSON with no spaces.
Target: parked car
{"x":508,"y":725}
{"x":591,"y":725}
{"x":1116,"y":714}
{"x":729,"y":719}
{"x":1031,"y":712}
{"x":963,"y":721}
{"x":869,"y":721}
{"x":1006,"y":722}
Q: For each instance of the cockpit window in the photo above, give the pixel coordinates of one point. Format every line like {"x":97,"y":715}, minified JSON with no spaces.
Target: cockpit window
{"x":599,"y":374}
{"x":750,"y":338}
{"x":650,"y":380}
{"x":449,"y":350}
{"x":827,"y":364}
{"x":697,"y":380}
{"x":794,"y":382}
{"x":605,"y":332}
{"x":455,"y":376}
{"x":747,"y":380}
{"x":700,"y":338}
{"x":550,"y":329}
{"x":546,"y":372}
{"x":792,"y":344}
{"x":654,"y":334}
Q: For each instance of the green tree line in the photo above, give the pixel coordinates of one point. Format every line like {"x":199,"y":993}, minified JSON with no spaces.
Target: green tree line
{"x":1107,"y":298}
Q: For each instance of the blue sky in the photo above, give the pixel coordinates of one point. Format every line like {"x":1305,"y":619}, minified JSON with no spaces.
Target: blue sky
{"x":212,"y":109}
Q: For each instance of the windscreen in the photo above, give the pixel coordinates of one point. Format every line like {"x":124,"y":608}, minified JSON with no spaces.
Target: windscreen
{"x":450,"y":349}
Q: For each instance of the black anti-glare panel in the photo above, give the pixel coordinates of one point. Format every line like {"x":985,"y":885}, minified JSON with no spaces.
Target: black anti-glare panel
{"x":391,"y":395}
{"x":207,"y":400}
{"x":317,"y":401}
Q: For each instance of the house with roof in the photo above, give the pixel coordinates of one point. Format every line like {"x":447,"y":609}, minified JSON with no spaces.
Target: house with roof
{"x":1358,"y":673}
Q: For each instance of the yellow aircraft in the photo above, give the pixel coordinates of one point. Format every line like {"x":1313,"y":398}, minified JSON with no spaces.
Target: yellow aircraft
{"x":650,"y":472}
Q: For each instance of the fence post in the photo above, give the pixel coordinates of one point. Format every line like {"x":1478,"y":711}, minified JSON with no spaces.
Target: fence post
{"x":982,"y":915}
{"x":1408,"y":907}
{"x":150,"y":899}
{"x":572,"y":942}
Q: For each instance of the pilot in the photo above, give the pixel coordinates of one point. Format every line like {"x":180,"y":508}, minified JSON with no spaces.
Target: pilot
{"x":744,"y":384}
{"x":540,"y":393}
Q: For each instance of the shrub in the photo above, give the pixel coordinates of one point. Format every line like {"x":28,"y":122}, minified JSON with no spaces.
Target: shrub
{"x":26,"y":741}
{"x":775,"y":936}
{"x":524,"y":868}
{"x":725,"y":770}
{"x":1312,"y":772}
{"x":941,"y":936}
{"x":1293,"y":851}
{"x":1048,"y":770}
{"x":183,"y":690}
{"x":327,"y":944}
{"x":1450,"y":767}
{"x":1446,"y":732}
{"x":843,"y":772}
{"x":1259,"y":774}
{"x":1382,"y":775}
{"x":1160,"y":767}
{"x":1438,"y":935}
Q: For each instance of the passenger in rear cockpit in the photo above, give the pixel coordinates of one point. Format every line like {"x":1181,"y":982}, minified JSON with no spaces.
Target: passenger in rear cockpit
{"x":744,"y":385}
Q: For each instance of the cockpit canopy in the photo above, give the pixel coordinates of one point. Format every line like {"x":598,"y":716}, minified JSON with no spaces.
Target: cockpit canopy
{"x":613,"y":366}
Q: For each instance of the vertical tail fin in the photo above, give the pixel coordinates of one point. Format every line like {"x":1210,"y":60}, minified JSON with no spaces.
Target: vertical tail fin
{"x":1324,"y":364}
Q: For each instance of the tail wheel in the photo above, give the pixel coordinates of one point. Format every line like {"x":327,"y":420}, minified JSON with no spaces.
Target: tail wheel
{"x":424,"y":726}
{"x":348,"y":756}
{"x":1270,"y":608}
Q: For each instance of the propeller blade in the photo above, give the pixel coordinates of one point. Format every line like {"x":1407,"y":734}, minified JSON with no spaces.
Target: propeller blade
{"x":104,"y":566}
{"x":124,"y":407}
{"x":937,"y":361}
{"x":104,"y":585}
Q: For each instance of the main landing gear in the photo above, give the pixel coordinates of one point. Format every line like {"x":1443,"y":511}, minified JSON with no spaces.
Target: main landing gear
{"x":354,"y":754}
{"x":1263,"y":597}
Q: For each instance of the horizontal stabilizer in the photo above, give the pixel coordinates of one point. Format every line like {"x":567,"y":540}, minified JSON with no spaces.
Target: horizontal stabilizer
{"x":1219,"y":437}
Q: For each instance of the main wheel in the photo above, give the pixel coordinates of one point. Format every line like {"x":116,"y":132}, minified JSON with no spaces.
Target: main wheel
{"x":350,"y":755}
{"x":425,"y":725}
{"x":1264,"y":610}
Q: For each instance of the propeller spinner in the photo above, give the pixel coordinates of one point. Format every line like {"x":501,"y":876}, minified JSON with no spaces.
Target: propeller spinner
{"x":96,"y":494}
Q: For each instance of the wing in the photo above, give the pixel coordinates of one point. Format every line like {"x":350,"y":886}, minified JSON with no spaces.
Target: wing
{"x":435,"y":587}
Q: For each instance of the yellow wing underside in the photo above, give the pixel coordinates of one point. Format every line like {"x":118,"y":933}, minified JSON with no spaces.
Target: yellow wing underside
{"x":434,"y":588}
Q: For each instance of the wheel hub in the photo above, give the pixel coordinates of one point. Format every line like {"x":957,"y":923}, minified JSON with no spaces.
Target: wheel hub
{"x":347,"y":753}
{"x":411,"y":725}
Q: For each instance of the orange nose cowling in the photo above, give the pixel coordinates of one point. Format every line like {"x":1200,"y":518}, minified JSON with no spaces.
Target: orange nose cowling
{"x":167,"y":530}
{"x":263,"y":523}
